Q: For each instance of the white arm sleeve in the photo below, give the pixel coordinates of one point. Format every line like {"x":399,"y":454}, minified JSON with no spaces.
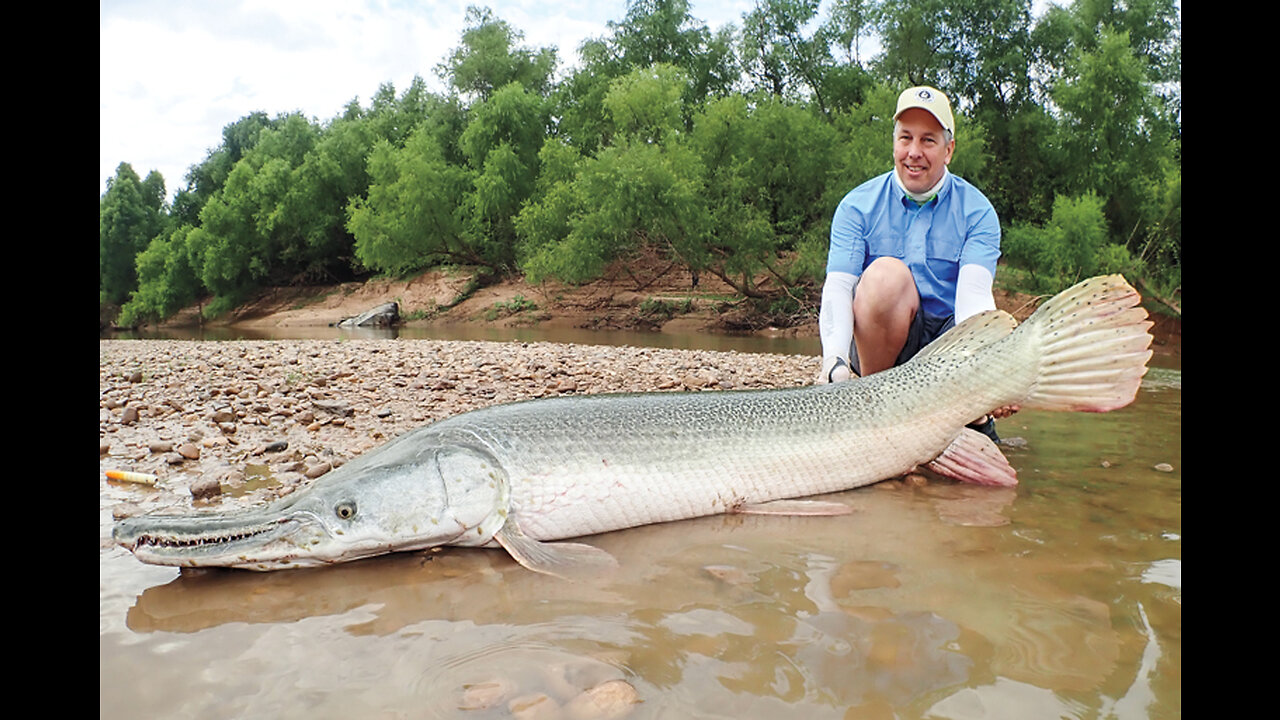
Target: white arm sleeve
{"x":835,"y":318}
{"x":973,"y":295}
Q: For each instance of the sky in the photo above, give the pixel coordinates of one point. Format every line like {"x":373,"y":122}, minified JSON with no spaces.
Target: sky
{"x":175,"y":72}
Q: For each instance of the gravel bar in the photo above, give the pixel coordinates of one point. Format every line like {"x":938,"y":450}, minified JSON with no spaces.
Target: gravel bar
{"x":240,"y":421}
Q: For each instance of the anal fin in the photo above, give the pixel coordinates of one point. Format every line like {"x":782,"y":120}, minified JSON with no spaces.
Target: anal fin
{"x":794,"y":507}
{"x":973,"y":458}
{"x":570,"y":561}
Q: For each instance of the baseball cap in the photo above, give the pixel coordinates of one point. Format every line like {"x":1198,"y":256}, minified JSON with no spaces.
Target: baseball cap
{"x":930,"y":99}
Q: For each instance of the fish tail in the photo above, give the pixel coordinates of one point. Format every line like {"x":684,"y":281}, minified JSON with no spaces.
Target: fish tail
{"x":1094,"y":343}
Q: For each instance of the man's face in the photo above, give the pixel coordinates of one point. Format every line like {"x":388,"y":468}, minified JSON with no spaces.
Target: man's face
{"x":920,"y":150}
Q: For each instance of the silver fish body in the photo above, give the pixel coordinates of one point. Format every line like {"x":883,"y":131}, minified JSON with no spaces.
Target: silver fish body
{"x":527,"y":474}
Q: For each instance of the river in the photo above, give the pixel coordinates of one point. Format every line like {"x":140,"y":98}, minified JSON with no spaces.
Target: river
{"x":1059,"y":598}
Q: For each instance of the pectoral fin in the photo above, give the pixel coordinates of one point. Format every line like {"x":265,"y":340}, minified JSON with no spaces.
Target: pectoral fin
{"x":973,"y":458}
{"x":570,"y":561}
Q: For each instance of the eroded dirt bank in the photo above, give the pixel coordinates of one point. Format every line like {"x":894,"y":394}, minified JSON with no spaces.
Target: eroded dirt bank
{"x":645,"y":296}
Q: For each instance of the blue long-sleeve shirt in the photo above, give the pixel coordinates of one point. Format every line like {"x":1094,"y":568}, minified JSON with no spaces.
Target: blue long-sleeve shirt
{"x":957,"y":227}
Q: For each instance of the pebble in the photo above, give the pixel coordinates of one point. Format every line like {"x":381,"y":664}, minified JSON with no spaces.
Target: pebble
{"x":483,"y":695}
{"x":316,"y":471}
{"x":206,"y":488}
{"x":611,"y":699}
{"x":1164,"y":467}
{"x":534,"y":706}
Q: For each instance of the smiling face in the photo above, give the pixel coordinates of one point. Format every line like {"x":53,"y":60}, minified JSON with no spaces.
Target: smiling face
{"x":921,"y":150}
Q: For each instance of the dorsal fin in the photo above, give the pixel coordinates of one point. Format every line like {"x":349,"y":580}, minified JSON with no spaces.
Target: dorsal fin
{"x":973,"y":334}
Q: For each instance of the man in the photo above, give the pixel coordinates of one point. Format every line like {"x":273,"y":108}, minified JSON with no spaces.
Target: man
{"x":912,"y":253}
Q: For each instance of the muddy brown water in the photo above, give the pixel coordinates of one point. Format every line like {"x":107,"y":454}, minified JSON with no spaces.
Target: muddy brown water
{"x":1060,"y":598}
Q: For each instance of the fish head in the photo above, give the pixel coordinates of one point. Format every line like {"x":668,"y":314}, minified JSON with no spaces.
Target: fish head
{"x":438,"y":495}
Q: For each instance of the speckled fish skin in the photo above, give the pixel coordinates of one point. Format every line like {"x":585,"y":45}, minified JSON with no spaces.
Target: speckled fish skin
{"x":523,"y":474}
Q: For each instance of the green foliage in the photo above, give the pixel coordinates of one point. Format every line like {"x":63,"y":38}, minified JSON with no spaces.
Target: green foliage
{"x":488,"y":59}
{"x":627,"y":198}
{"x":514,"y":306}
{"x":645,"y":104}
{"x":659,"y":309}
{"x":1072,"y":246}
{"x":166,"y":281}
{"x":130,"y":214}
{"x":646,"y":191}
{"x":412,"y":216}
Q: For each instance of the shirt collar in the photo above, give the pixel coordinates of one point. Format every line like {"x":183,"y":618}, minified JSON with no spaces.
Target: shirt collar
{"x":936,"y":191}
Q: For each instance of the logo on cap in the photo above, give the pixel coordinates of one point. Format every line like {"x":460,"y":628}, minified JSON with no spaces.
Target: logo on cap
{"x":925,"y":95}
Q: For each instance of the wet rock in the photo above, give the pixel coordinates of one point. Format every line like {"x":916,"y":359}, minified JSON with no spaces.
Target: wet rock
{"x":335,"y":407}
{"x":124,"y":510}
{"x":535,"y":706}
{"x":730,"y":574}
{"x":206,"y":488}
{"x":484,"y":695}
{"x":316,"y":471}
{"x":612,"y":699}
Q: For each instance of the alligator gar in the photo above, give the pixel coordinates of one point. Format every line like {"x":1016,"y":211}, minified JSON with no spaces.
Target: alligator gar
{"x":525,"y":476}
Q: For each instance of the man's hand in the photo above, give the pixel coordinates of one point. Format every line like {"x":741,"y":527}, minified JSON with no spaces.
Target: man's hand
{"x":1006,"y":411}
{"x":835,"y":369}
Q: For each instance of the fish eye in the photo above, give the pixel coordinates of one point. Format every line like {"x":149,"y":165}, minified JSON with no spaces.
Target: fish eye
{"x":345,"y":510}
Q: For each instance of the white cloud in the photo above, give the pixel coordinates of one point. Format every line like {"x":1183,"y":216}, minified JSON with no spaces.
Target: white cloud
{"x":175,"y":72}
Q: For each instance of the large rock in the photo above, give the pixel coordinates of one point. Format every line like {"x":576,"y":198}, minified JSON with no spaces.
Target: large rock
{"x":384,"y":315}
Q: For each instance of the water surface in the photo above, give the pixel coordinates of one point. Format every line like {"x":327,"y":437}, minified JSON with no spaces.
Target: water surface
{"x":1060,"y":598}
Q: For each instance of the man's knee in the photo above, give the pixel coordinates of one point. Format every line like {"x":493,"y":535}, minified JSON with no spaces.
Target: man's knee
{"x":886,"y":286}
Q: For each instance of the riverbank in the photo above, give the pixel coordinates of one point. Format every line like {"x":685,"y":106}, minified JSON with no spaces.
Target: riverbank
{"x":248,"y":420}
{"x":643,"y":296}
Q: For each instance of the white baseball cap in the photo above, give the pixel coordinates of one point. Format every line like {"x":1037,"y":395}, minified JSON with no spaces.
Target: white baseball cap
{"x":931,"y":100}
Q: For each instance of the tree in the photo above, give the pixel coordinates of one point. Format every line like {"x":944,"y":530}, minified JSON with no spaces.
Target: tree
{"x":1113,"y":130}
{"x":776,"y":52}
{"x":130,"y":214}
{"x":207,"y":177}
{"x":654,"y":32}
{"x":501,"y":145}
{"x":245,"y":235}
{"x":489,"y":59}
{"x":166,"y":280}
{"x":412,"y":216}
{"x":645,"y":192}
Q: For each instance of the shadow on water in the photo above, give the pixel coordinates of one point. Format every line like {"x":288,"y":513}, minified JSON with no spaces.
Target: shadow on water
{"x":1060,"y":598}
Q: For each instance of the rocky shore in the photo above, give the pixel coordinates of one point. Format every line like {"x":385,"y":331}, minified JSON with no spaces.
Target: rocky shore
{"x":236,"y":422}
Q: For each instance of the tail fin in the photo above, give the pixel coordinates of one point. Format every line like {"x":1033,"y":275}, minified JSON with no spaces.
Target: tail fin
{"x":1094,"y":343}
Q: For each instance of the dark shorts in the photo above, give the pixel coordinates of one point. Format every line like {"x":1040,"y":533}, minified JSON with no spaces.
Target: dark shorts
{"x":925,"y":328}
